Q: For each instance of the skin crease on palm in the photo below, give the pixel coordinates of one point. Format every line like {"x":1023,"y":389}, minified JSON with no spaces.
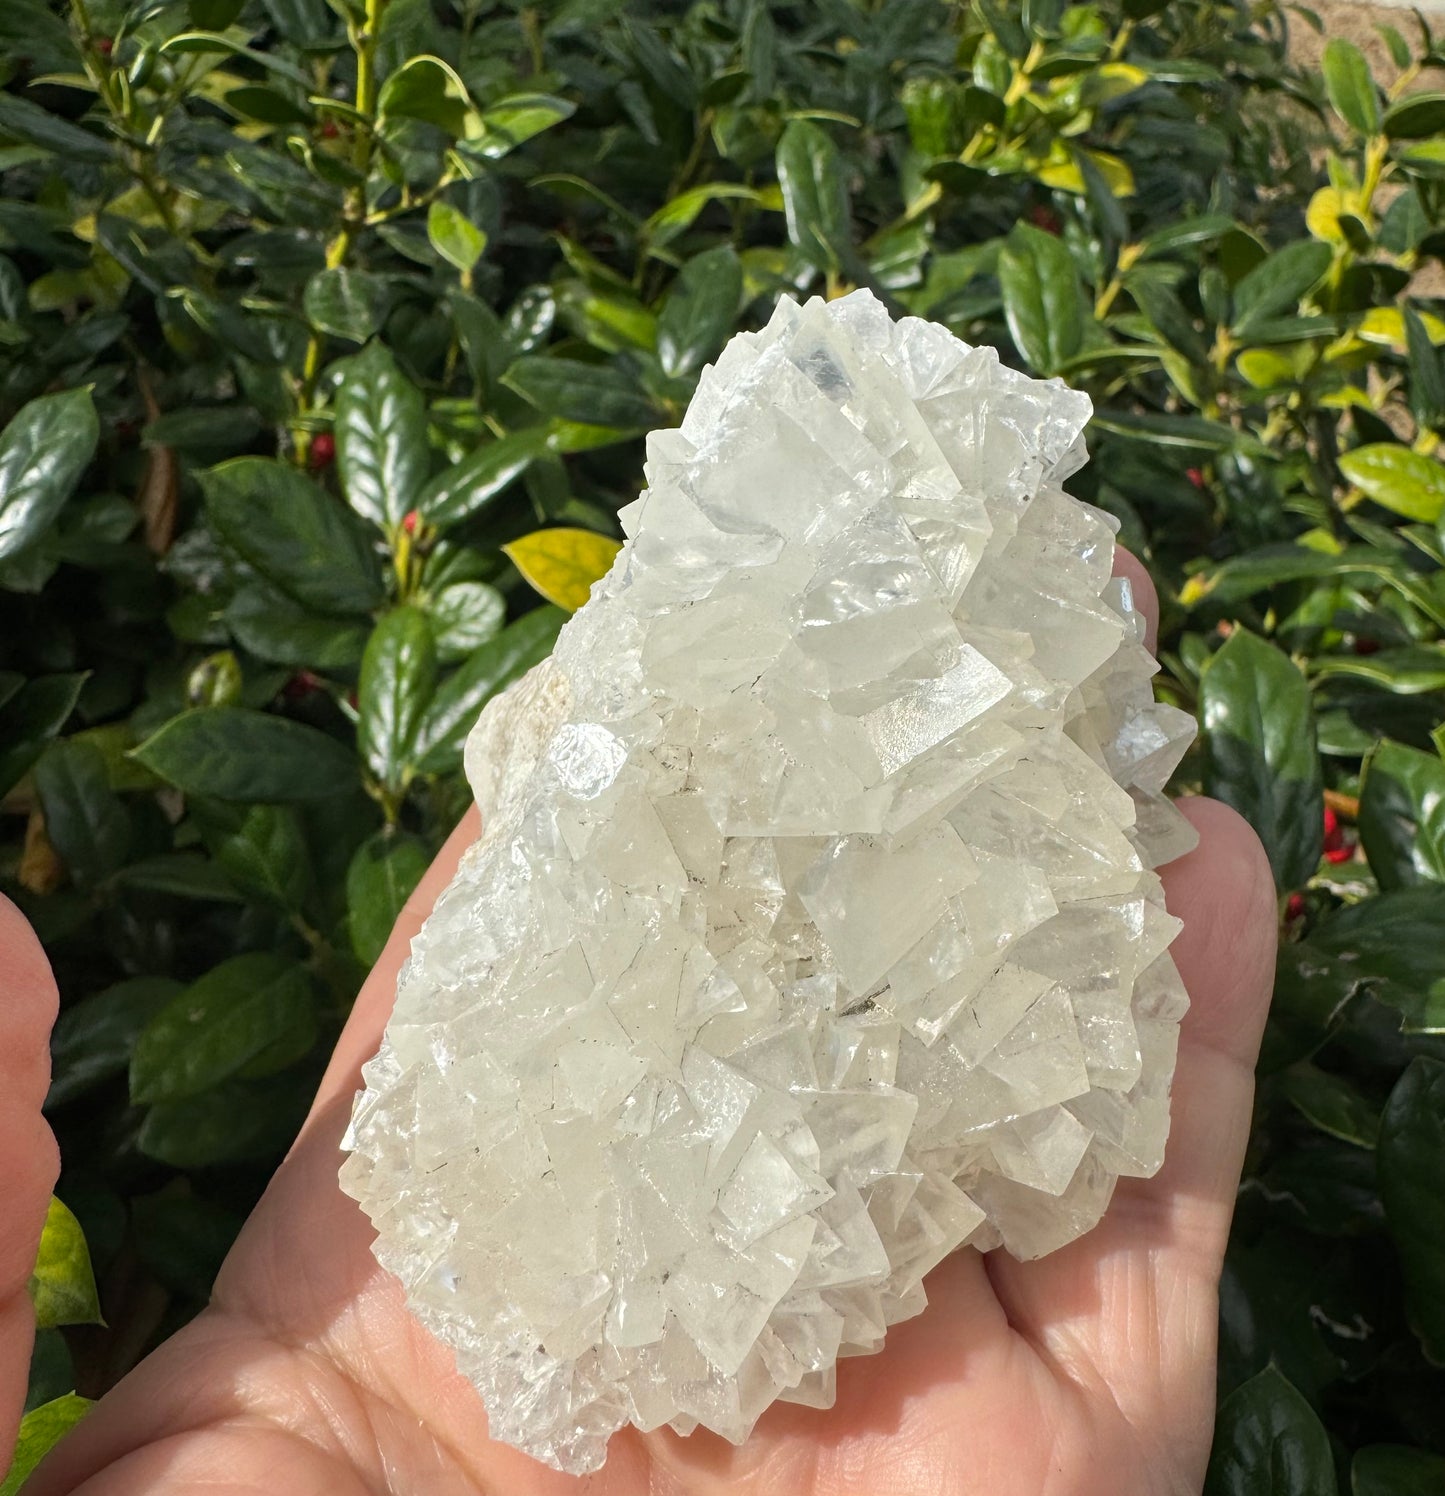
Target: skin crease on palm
{"x":1091,"y":1370}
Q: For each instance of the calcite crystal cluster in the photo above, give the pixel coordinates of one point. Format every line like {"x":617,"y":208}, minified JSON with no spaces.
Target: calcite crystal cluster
{"x":813,"y":932}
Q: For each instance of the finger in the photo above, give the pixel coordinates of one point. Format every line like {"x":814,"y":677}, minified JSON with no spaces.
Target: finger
{"x":28,"y":1158}
{"x":373,"y":1006}
{"x":1146,"y":595}
{"x":1134,"y":1302}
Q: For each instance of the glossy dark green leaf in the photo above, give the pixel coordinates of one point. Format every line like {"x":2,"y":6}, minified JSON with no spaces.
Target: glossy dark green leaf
{"x":183,"y":1239}
{"x":22,"y":120}
{"x":43,"y":452}
{"x":84,"y":818}
{"x":514,"y":120}
{"x":233,"y":753}
{"x":1313,"y":993}
{"x":93,"y":1039}
{"x":347,"y":303}
{"x":464,"y":616}
{"x":468,"y":486}
{"x":1277,"y":283}
{"x":599,"y":394}
{"x":308,"y":23}
{"x":268,"y":105}
{"x":1351,"y":89}
{"x":294,"y":534}
{"x":815,"y":195}
{"x":1427,"y":371}
{"x":217,"y":1025}
{"x":1260,"y":753}
{"x":1402,"y":816}
{"x":379,"y":881}
{"x":398,"y":678}
{"x":1042,"y":298}
{"x":1397,"y":1470}
{"x":430,"y":90}
{"x":40,"y":1431}
{"x":1393,"y":942}
{"x":29,"y":718}
{"x":1412,"y":1185}
{"x":490,"y":669}
{"x":233,"y":1121}
{"x":1332,"y":1104}
{"x":62,"y":1283}
{"x":1268,"y":1441}
{"x":260,"y":848}
{"x":276,"y":629}
{"x":700,"y":312}
{"x":381,"y":437}
{"x":52,"y":1369}
{"x":182,"y":875}
{"x":1416,"y":117}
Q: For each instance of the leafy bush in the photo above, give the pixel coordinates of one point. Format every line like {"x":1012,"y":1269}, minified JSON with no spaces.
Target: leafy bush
{"x":330,"y":333}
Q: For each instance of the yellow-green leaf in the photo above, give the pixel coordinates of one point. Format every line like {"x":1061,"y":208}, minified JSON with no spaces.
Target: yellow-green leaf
{"x":40,"y":1430}
{"x":1404,"y":482}
{"x":562,"y":564}
{"x":454,"y":236}
{"x":1386,"y":325}
{"x":62,"y":1287}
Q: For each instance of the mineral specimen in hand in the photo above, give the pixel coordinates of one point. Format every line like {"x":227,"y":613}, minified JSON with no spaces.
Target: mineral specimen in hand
{"x":813,"y":932}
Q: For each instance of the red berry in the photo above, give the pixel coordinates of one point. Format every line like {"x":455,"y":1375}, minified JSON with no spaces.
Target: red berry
{"x":323,"y":449}
{"x":330,"y":130}
{"x":104,"y":45}
{"x":301,"y":685}
{"x":410,"y":521}
{"x":1366,"y":646}
{"x":1332,"y":824}
{"x":1338,"y":854}
{"x":1195,"y":476}
{"x":1294,"y":906}
{"x":1044,"y":217}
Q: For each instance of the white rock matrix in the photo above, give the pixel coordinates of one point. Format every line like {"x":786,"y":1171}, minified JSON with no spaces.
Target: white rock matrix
{"x":813,"y":933}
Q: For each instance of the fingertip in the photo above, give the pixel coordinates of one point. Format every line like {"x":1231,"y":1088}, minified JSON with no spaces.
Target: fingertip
{"x":29,"y":1002}
{"x":1146,"y":595}
{"x":1224,"y":892}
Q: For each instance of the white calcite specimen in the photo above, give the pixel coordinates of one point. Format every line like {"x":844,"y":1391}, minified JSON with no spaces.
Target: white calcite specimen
{"x":814,"y":932}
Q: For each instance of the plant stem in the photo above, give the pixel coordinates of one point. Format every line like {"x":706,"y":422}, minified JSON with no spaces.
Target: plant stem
{"x":353,"y":211}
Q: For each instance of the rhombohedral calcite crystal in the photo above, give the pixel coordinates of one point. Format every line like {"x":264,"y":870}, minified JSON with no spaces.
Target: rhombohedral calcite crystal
{"x":813,"y":932}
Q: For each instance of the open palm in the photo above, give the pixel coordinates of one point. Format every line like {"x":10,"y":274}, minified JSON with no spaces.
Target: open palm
{"x":1090,"y":1370}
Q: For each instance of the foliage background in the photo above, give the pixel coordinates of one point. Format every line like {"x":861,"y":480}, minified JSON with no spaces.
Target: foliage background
{"x":247,"y":611}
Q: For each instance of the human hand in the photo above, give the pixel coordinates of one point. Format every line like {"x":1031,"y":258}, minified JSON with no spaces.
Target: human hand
{"x":28,"y":1159}
{"x":1091,"y":1370}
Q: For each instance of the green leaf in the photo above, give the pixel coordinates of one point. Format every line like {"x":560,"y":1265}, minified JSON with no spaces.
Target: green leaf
{"x":1412,"y":1185}
{"x":381,"y":437}
{"x":512,"y":121}
{"x":183,"y":1239}
{"x":268,"y":105}
{"x":260,"y":848}
{"x":598,"y":394}
{"x":1393,"y":942}
{"x":470,"y":485}
{"x":1042,"y":299}
{"x":1260,"y":753}
{"x":379,"y":881}
{"x":84,"y":817}
{"x":347,"y":303}
{"x":233,"y":1121}
{"x":30,"y":718}
{"x":1331,"y":1104}
{"x":700,"y":311}
{"x":1351,"y":89}
{"x":93,"y":1039}
{"x":680,"y":213}
{"x":294,"y":534}
{"x":233,"y":753}
{"x":217,"y":1025}
{"x":427,"y":89}
{"x":273,"y":628}
{"x":182,"y":875}
{"x":1402,"y":816}
{"x":454,"y":237}
{"x":43,"y":452}
{"x":1427,"y":371}
{"x":815,"y":195}
{"x":398,"y":677}
{"x":1396,"y":1470}
{"x":464,"y":616}
{"x":22,"y":120}
{"x":40,"y":1431}
{"x":1277,"y":283}
{"x":1397,"y":479}
{"x":493,"y":667}
{"x":1268,"y":1442}
{"x":62,"y":1287}
{"x":1416,"y":117}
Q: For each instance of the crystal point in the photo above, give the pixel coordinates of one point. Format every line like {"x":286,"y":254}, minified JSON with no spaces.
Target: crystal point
{"x":813,"y":933}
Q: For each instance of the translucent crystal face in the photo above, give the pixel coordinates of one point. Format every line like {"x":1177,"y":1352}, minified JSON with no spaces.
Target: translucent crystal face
{"x":814,"y":932}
